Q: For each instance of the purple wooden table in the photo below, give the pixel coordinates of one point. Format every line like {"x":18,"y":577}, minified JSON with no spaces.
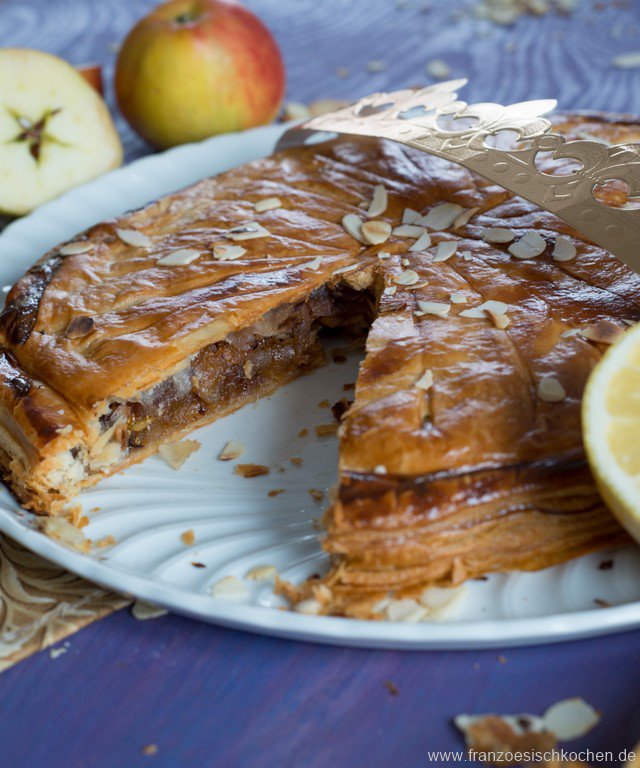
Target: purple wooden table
{"x":212,"y":697}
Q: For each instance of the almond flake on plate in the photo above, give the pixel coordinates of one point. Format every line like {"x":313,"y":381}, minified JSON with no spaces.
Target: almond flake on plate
{"x":390,"y":290}
{"x":441,"y":216}
{"x":179,"y":258}
{"x":409,"y":230}
{"x":445,"y":250}
{"x":267,"y":204}
{"x":250,"y":230}
{"x":60,"y":529}
{"x":407,"y":277}
{"x":228,"y":252}
{"x":143,"y":610}
{"x":550,"y":390}
{"x":134,"y":237}
{"x":310,"y":606}
{"x":438,"y":308}
{"x":352,"y":225}
{"x":405,"y":609}
{"x":563,"y":249}
{"x":383,"y":254}
{"x":376,"y":232}
{"x":442,"y":601}
{"x":465,"y":217}
{"x":231,"y":588}
{"x":498,"y":235}
{"x":410,"y":216}
{"x":261,"y":573}
{"x":529,"y":246}
{"x":425,"y":382}
{"x":378,"y":203}
{"x":73,"y":249}
{"x":457,"y":298}
{"x":571,"y":718}
{"x":175,"y":454}
{"x":348,"y":268}
{"x":232,"y":450}
{"x":422,"y":243}
{"x":602,"y":332}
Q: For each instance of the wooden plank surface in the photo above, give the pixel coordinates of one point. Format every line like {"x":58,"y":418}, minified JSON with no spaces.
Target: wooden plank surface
{"x":213,"y":697}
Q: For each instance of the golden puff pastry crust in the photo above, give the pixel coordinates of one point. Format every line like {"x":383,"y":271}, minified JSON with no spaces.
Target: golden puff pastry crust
{"x":455,"y":459}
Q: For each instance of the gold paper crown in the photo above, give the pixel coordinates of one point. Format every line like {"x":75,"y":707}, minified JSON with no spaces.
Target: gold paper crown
{"x":432,"y":119}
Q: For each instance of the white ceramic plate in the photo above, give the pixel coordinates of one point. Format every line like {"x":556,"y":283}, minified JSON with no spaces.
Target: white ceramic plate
{"x":236,"y":524}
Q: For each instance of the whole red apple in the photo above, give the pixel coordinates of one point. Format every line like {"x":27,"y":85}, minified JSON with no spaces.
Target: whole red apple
{"x":195,"y":68}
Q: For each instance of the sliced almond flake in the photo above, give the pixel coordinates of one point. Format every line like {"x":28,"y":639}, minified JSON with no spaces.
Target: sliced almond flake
{"x":405,"y":263}
{"x":267,"y":204}
{"x":231,"y":588}
{"x":378,"y":203}
{"x":445,"y":250}
{"x":441,"y":600}
{"x":228,"y":252}
{"x":376,"y":232}
{"x":310,"y":607}
{"x":232,"y":450}
{"x":348,"y":268}
{"x":457,"y":298}
{"x":441,"y":216}
{"x":571,"y":333}
{"x":261,"y":573}
{"x":466,"y":255}
{"x":465,"y":217}
{"x":390,"y":290}
{"x":134,"y":237}
{"x":500,"y":320}
{"x":563,"y":249}
{"x":322,"y":593}
{"x":380,"y":469}
{"x":60,"y":529}
{"x":384,"y":254}
{"x":407,"y":277}
{"x":352,"y":225}
{"x":417,"y":286}
{"x":425,"y":382}
{"x":406,"y":609}
{"x":313,"y":265}
{"x":409,"y":230}
{"x":422,"y":243}
{"x":143,"y":610}
{"x":498,"y":235}
{"x":602,"y":332}
{"x":381,"y":605}
{"x":175,"y":454}
{"x":571,"y":718}
{"x":179,"y":258}
{"x":495,"y":307}
{"x":410,"y":216}
{"x":438,"y":308}
{"x":529,"y":246}
{"x":73,"y":249}
{"x":550,"y":390}
{"x":250,"y":230}
{"x":627,"y":60}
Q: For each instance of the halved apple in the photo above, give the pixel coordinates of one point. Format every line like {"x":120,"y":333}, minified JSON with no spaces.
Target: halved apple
{"x":55,"y":130}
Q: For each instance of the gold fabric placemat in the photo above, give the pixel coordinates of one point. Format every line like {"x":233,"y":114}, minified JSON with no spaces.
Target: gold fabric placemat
{"x":41,"y":603}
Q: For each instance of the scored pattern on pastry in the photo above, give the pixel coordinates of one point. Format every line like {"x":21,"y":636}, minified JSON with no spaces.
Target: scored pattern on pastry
{"x":462,"y":453}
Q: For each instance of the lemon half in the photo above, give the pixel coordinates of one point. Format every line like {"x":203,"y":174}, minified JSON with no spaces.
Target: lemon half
{"x":611,"y":425}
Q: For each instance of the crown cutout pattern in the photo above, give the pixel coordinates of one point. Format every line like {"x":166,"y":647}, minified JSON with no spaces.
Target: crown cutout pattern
{"x":432,"y":119}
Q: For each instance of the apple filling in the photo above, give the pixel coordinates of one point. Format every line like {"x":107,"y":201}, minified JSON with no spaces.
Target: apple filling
{"x":224,"y":376}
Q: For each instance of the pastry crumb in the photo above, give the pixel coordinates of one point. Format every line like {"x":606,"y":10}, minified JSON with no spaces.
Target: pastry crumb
{"x":232,"y":450}
{"x":251,"y":470}
{"x":188,"y":537}
{"x":323,"y":430}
